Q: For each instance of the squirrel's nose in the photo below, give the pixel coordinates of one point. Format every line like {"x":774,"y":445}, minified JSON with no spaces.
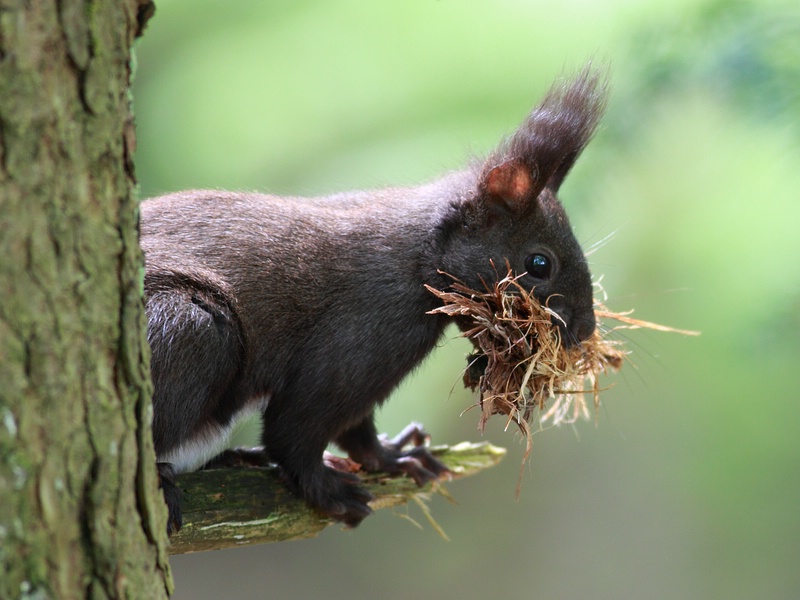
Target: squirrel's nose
{"x":583,"y":325}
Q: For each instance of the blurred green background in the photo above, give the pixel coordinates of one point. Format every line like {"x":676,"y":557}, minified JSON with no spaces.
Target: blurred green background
{"x":688,"y":484}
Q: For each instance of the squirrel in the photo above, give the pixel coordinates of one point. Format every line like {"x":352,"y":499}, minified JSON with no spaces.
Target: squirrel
{"x":310,"y":311}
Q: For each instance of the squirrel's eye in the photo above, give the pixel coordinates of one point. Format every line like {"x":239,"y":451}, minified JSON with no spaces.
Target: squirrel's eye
{"x":539,"y":266}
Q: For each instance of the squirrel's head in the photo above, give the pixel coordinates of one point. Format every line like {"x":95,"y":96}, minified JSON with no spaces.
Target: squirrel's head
{"x":513,"y":214}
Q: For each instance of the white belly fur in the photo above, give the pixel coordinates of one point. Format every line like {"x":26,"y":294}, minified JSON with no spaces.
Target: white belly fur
{"x":211,"y":441}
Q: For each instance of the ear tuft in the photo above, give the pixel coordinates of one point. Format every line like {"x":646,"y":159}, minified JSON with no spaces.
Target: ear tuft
{"x":545,"y":147}
{"x":510,"y":182}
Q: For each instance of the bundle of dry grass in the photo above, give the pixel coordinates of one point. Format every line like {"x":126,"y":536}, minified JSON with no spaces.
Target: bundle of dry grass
{"x":520,"y":364}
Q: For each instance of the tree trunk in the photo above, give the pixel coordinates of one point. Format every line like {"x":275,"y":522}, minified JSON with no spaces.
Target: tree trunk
{"x":80,"y":516}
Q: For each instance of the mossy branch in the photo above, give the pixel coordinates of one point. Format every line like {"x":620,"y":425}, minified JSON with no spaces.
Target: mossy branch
{"x":223,"y":508}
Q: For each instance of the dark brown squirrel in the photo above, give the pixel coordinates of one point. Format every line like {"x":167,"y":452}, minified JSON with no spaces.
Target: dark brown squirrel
{"x":310,"y":311}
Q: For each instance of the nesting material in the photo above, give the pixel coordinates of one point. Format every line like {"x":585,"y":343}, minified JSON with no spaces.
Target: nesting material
{"x":521,"y":367}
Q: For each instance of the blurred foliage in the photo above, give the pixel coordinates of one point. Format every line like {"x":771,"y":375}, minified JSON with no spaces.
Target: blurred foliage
{"x":688,"y":486}
{"x":743,"y":52}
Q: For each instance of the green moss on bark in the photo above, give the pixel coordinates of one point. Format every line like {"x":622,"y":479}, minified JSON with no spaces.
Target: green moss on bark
{"x":77,"y":482}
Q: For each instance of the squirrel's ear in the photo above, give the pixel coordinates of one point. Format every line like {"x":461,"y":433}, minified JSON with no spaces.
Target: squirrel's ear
{"x":545,"y":147}
{"x":511,"y":184}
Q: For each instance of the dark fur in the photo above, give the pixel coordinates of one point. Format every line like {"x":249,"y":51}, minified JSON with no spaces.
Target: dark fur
{"x":318,"y":304}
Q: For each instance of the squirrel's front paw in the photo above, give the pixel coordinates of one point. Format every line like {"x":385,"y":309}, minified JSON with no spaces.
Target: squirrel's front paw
{"x":417,"y":461}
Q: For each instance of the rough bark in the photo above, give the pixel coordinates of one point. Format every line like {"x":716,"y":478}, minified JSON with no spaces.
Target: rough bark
{"x":80,"y":516}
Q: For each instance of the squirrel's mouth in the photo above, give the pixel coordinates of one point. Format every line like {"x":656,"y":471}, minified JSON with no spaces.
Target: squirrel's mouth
{"x":575,"y":326}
